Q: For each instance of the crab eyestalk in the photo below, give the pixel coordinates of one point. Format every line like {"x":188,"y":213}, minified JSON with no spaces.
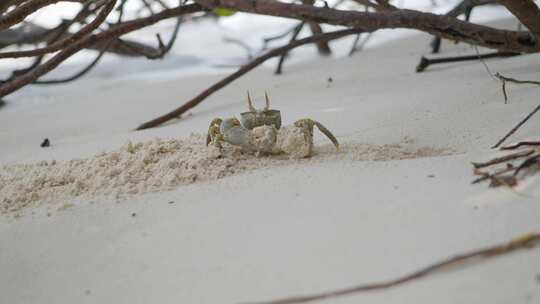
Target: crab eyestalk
{"x":256,"y":118}
{"x":307,"y":124}
{"x":250,"y":103}
{"x":267,"y":107}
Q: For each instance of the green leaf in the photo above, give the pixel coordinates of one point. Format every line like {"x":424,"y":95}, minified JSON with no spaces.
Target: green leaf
{"x":224,"y":12}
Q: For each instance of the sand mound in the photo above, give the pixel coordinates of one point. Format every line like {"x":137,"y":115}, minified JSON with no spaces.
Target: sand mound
{"x":157,"y":165}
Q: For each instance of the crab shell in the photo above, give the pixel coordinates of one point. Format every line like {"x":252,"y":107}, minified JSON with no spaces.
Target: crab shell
{"x":252,"y":120}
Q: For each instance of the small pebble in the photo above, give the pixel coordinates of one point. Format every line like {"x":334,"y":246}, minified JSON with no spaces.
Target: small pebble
{"x":134,"y":214}
{"x":45,"y":143}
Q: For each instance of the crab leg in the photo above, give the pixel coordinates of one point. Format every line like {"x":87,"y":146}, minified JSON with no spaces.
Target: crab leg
{"x":307,"y":124}
{"x":328,"y":134}
{"x":213,"y":131}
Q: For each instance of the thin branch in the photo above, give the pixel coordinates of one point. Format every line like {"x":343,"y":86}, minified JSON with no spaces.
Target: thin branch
{"x":447,"y":27}
{"x":284,"y":55}
{"x":162,"y":48}
{"x":492,"y":176}
{"x":267,"y":40}
{"x":514,"y":129}
{"x":463,"y":8}
{"x":515,"y":80}
{"x":359,"y":46}
{"x":20,"y":13}
{"x":243,"y":70}
{"x":527,"y":163}
{"x":31,"y":33}
{"x":520,"y":144}
{"x":524,"y":242}
{"x":242,"y":44}
{"x":502,"y":159}
{"x":426,"y":62}
{"x":78,"y":75}
{"x":58,"y":45}
{"x":113,"y":32}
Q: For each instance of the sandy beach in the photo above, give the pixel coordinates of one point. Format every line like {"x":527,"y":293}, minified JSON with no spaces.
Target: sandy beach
{"x":396,"y":197}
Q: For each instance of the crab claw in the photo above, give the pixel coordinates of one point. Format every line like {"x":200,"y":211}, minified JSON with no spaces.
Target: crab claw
{"x":307,"y":124}
{"x":213,"y":130}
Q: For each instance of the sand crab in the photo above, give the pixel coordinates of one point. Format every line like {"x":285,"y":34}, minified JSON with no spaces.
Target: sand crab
{"x":260,"y":131}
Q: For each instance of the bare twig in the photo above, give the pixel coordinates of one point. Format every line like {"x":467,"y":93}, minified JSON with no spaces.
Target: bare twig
{"x":527,"y":163}
{"x":267,"y":40}
{"x":463,"y":8}
{"x":514,"y":129}
{"x":359,"y":46}
{"x":80,"y":74}
{"x":520,"y":144}
{"x":426,"y":62}
{"x":58,"y":45}
{"x":505,"y":79}
{"x":515,"y":80}
{"x":115,"y":31}
{"x":486,"y":176}
{"x":31,"y":33}
{"x":524,"y":242}
{"x":502,"y":159}
{"x":284,"y":55}
{"x":162,"y":49}
{"x":241,"y":44}
{"x":243,"y":70}
{"x":21,"y":12}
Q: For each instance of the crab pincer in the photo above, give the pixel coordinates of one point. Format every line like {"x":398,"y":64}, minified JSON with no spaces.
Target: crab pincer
{"x":307,"y":125}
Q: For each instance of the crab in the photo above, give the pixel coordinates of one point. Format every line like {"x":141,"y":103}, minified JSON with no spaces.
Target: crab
{"x":260,"y":131}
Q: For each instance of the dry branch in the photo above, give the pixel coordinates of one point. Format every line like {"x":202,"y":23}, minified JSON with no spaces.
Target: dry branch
{"x":115,"y":31}
{"x":79,"y":74}
{"x":283,"y":56}
{"x":20,"y":13}
{"x":65,"y":42}
{"x":31,"y":33}
{"x":465,"y":7}
{"x":322,"y":46}
{"x":426,"y":62}
{"x":527,"y":12}
{"x":520,"y":144}
{"x":243,"y":70}
{"x":446,"y":27}
{"x":514,"y":129}
{"x":502,"y":159}
{"x":524,"y":242}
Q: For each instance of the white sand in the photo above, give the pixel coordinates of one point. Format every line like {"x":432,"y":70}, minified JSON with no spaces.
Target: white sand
{"x":279,"y":230}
